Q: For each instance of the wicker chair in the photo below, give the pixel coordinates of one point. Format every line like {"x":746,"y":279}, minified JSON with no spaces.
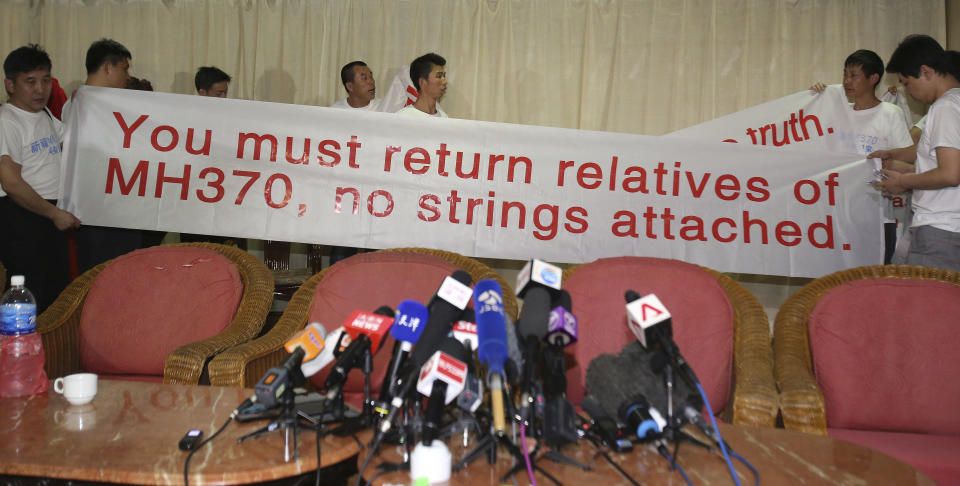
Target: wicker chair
{"x":753,"y":395}
{"x":802,"y":401}
{"x":244,"y":365}
{"x":866,"y":355}
{"x":59,"y":325}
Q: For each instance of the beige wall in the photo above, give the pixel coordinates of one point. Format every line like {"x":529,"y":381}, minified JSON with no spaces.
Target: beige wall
{"x":953,"y":24}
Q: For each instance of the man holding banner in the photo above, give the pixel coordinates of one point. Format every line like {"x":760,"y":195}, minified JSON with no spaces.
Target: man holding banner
{"x":430,"y":78}
{"x":33,"y":243}
{"x":930,"y":75}
{"x":878,"y":125}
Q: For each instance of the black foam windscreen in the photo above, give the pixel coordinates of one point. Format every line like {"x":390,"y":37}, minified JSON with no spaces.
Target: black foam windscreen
{"x":385,"y":310}
{"x":455,"y":349}
{"x":439,"y":323}
{"x":564,"y":300}
{"x":606,"y":379}
{"x":647,"y":367}
{"x":535,"y":316}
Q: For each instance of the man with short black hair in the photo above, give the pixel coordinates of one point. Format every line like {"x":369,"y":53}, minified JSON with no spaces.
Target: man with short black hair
{"x":428,"y":75}
{"x":361,"y":88}
{"x":108,"y":66}
{"x":211,"y":81}
{"x":877,"y":125}
{"x":33,"y":243}
{"x":931,"y":75}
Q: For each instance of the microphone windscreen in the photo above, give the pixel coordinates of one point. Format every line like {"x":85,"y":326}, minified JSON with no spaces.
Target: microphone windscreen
{"x":631,"y":295}
{"x":535,"y":314}
{"x":605,"y":380}
{"x":453,"y":347}
{"x":410,"y":322}
{"x":647,"y":380}
{"x":491,"y":324}
{"x":564,"y":300}
{"x":442,"y":312}
{"x":385,"y":310}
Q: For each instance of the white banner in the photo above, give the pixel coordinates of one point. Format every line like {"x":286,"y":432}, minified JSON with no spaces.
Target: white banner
{"x":377,"y":180}
{"x":806,"y":120}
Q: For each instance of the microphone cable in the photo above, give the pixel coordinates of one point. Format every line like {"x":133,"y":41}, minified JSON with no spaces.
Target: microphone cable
{"x":526,"y":453}
{"x":186,"y":463}
{"x":677,"y":467}
{"x":723,"y":446}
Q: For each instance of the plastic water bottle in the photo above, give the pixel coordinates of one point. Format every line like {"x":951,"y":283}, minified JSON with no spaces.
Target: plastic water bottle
{"x":21,"y":350}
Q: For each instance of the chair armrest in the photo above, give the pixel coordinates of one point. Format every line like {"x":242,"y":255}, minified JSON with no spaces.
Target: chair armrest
{"x":801,"y":400}
{"x":755,"y":399}
{"x":244,"y":364}
{"x":185,"y":365}
{"x":59,"y":326}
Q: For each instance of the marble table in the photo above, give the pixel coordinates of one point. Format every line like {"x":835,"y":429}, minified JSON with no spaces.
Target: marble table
{"x":129,"y":434}
{"x":782,"y":457}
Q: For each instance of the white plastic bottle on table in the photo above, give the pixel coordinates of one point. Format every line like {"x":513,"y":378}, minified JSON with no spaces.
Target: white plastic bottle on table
{"x":21,"y":350}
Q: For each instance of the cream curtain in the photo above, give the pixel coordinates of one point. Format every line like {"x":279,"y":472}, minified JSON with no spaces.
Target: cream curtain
{"x":639,"y":66}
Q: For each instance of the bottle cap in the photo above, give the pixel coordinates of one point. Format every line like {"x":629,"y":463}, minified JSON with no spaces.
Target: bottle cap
{"x":16,"y":280}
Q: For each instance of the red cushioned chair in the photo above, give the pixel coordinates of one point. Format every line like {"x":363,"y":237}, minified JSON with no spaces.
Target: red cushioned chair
{"x":720,"y":327}
{"x":155,"y":314}
{"x":867,"y":355}
{"x":361,"y":282}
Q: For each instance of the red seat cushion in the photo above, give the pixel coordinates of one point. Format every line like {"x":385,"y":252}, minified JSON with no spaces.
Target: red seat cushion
{"x":702,"y":317}
{"x":149,"y":302}
{"x":934,"y":455}
{"x":365,"y":282}
{"x":885,"y":357}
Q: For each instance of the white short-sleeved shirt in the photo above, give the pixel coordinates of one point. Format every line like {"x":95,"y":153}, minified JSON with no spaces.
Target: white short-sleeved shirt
{"x":413,"y":111}
{"x":939,"y":208}
{"x":33,"y":141}
{"x":373,"y":105}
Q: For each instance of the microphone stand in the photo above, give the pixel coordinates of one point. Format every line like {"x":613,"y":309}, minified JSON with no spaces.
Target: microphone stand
{"x":289,"y":422}
{"x":673,"y":432}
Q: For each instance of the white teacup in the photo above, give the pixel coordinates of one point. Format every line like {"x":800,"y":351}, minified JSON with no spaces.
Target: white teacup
{"x":78,"y":389}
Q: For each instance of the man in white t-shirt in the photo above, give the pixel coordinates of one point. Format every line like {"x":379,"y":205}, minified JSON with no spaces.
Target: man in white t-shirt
{"x":34,"y":242}
{"x":931,"y":75}
{"x":361,"y":88}
{"x":878,"y":126}
{"x":428,"y":75}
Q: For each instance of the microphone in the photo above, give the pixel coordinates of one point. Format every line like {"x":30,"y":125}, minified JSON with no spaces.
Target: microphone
{"x":538,"y":273}
{"x":465,"y":330}
{"x":442,"y":379}
{"x":492,"y":348}
{"x":605,"y":426}
{"x":610,"y":379}
{"x":649,"y":319}
{"x":306,"y":357}
{"x":445,"y":306}
{"x":651,"y":323}
{"x":366,"y":331}
{"x":316,"y":354}
{"x":531,"y":328}
{"x":562,"y":324}
{"x":406,"y":330}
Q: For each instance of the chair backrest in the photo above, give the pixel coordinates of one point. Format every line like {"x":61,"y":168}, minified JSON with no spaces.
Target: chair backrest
{"x":147,"y":303}
{"x":367,"y":281}
{"x":703,"y":318}
{"x":884,"y":353}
